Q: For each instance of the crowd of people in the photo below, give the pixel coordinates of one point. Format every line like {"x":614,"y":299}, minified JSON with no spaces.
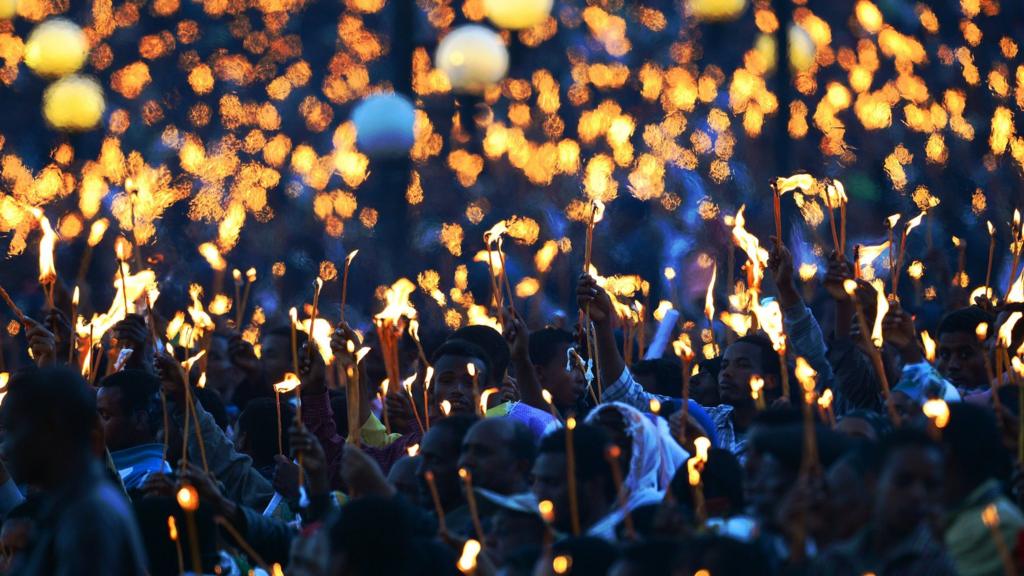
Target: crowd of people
{"x":537,"y":450}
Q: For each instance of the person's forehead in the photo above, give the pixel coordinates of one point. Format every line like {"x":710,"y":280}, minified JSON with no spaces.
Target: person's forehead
{"x":958,"y":340}
{"x":437,"y":441}
{"x":108,"y":394}
{"x":744,"y":350}
{"x":456,"y":363}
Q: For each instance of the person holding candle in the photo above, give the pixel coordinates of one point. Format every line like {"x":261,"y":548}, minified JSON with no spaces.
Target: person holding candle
{"x":499,"y":453}
{"x":84,"y":524}
{"x":439,"y":455}
{"x":899,"y":537}
{"x":128,"y":405}
{"x":961,"y":357}
{"x":752,"y":354}
{"x":977,"y":467}
{"x":595,"y":486}
{"x":242,"y":482}
{"x":541,"y":362}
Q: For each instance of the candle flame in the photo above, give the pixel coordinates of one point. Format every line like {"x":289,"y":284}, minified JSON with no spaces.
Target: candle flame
{"x":990,"y":516}
{"x":570,"y":423}
{"x":598,"y":210}
{"x":655,"y":406}
{"x":210,"y":252}
{"x":543,"y":258}
{"x":836,"y":194}
{"x":693,"y":471}
{"x":929,"y":346}
{"x":801,"y":182}
{"x":825,"y":401}
{"x":938,"y":411}
{"x":891,"y":221}
{"x":75,"y":298}
{"x":913,"y":223}
{"x":471,"y":369}
{"x":869,"y":254}
{"x":982,"y":331}
{"x":397,"y":303}
{"x":97,"y":230}
{"x":991,"y":228}
{"x":250,"y":275}
{"x":547,"y":510}
{"x":1005,"y":338}
{"x":446,"y":407}
{"x":290,"y":382}
{"x":413,"y":450}
{"x":236,"y":274}
{"x":806,"y":375}
{"x":495,"y":233}
{"x":956,"y":241}
{"x":188,"y":498}
{"x":484,"y":396}
{"x":701,"y":445}
{"x":351,"y":257}
{"x":561,"y":564}
{"x":467,"y":561}
{"x":47,"y":245}
{"x":172,"y":528}
{"x":882,"y":308}
{"x":850,"y":286}
{"x":683,"y":347}
{"x":756,"y":385}
{"x":757,"y":257}
{"x":547,"y":396}
{"x":709,"y":297}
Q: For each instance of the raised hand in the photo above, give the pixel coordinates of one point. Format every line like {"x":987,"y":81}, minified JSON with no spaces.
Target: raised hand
{"x":517,"y":335}
{"x":312,"y":370}
{"x":172,"y":377}
{"x":588,"y":293}
{"x":898,"y":329}
{"x":42,"y":344}
{"x":314,"y":460}
{"x":243,"y":356}
{"x":133,"y":333}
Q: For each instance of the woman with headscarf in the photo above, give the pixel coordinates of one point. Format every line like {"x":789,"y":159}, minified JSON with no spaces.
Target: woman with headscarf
{"x":649,"y":453}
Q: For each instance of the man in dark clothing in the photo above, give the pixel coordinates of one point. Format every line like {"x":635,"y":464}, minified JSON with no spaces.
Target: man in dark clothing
{"x":84,"y":524}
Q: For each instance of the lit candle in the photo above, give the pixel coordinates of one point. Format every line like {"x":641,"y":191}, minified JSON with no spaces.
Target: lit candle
{"x":467,"y":479}
{"x":344,"y":282}
{"x":850,"y":286}
{"x":570,"y":470}
{"x":188,"y":500}
{"x":612,"y":455}
{"x":436,"y":497}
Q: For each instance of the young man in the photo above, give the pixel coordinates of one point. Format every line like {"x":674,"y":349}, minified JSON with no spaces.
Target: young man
{"x":961,"y":356}
{"x":128,"y":404}
{"x":541,"y":361}
{"x":748,"y":356}
{"x":595,"y":485}
{"x":84,"y":525}
{"x":899,"y":537}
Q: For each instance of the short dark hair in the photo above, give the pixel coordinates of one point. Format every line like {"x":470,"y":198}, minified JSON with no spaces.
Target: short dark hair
{"x":722,"y":477}
{"x":140,"y":392}
{"x":770,"y":364}
{"x":589,"y":446}
{"x":965,"y":321}
{"x":545,"y":344}
{"x":973,"y":441}
{"x":57,"y":399}
{"x":667,"y":373}
{"x":493,"y":344}
{"x":259,"y":423}
{"x":903,"y":438}
{"x":456,"y":347}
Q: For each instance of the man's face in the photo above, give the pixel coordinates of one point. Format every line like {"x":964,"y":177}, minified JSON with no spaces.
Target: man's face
{"x":120,"y":429}
{"x":909,"y":489}
{"x":566,"y":386}
{"x":767,"y":481}
{"x":276,"y":356}
{"x":438,"y":454}
{"x":961,"y":359}
{"x":487,"y":456}
{"x":549,"y":484}
{"x":452,"y":382}
{"x":740,"y":361}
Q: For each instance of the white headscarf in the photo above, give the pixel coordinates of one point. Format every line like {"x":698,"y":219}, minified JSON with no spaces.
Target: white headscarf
{"x":655,"y":454}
